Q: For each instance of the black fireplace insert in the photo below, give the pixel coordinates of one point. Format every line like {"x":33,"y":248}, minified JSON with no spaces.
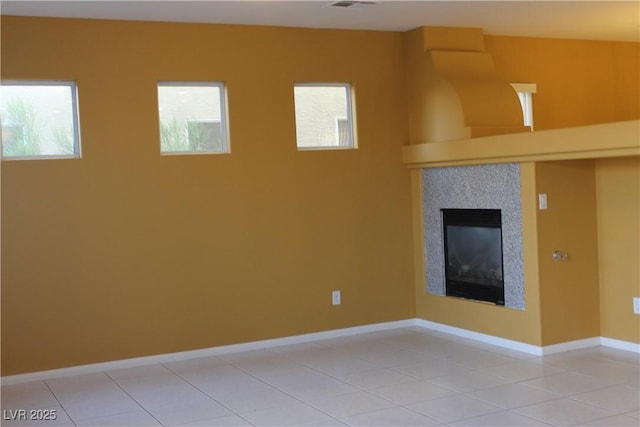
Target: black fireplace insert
{"x":473,"y":254}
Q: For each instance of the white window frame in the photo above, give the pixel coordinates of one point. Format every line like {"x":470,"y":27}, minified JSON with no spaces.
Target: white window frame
{"x":224,"y":120}
{"x":77,"y":148}
{"x":350,"y":117}
{"x":525,"y":93}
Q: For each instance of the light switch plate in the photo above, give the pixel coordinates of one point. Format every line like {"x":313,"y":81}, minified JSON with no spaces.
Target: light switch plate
{"x":336,"y":298}
{"x":542,"y":201}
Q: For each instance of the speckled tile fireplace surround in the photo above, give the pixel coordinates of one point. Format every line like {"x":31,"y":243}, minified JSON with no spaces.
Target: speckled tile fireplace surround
{"x":495,"y":186}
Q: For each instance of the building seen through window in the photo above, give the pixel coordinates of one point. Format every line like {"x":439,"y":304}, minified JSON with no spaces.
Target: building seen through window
{"x":324,"y":116}
{"x":192,"y":118}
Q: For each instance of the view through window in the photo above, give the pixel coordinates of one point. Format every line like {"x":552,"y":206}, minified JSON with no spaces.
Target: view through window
{"x":323,"y":114}
{"x":192,"y":118}
{"x":39,"y":119}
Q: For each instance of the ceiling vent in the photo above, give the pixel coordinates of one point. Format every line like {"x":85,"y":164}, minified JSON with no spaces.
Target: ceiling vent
{"x":350,"y":3}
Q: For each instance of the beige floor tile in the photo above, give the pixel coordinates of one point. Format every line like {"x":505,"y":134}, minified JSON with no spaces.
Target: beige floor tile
{"x":346,"y":405}
{"x":83,"y":387}
{"x":228,"y":421}
{"x":523,"y":370}
{"x":513,"y":395}
{"x":635,"y":414}
{"x":173,"y":414}
{"x":468,"y":381}
{"x":31,"y":395}
{"x":498,"y":419}
{"x":133,"y":419}
{"x":619,"y":398}
{"x":255,"y":399}
{"x":398,"y":417}
{"x":94,"y":406}
{"x":407,"y":393}
{"x":287,"y":415}
{"x":454,"y":408}
{"x":614,"y":421}
{"x":377,"y":378}
{"x":564,"y":412}
{"x":481,"y":359}
{"x":432,"y":368}
{"x":391,"y":358}
{"x":569,"y":383}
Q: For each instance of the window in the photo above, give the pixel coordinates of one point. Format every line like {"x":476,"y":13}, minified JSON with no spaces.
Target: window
{"x":525,"y":93}
{"x":39,"y":120}
{"x":324,"y":116}
{"x":192,"y":118}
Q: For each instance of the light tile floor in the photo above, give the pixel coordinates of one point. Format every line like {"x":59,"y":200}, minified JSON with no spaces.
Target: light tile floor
{"x":403,"y":377}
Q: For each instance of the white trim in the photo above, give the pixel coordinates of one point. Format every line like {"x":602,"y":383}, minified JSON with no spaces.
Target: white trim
{"x":570,"y":345}
{"x":316,"y":336}
{"x":525,"y":92}
{"x":620,"y":345}
{"x":489,"y":339}
{"x":529,"y":348}
{"x":205,"y":352}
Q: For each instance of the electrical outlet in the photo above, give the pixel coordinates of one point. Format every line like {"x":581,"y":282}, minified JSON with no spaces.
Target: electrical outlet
{"x":636,"y":305}
{"x":336,"y":298}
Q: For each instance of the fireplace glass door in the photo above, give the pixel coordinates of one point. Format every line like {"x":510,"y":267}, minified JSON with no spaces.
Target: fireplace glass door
{"x":473,"y":254}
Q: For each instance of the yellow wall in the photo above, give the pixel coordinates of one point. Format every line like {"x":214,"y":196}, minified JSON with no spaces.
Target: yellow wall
{"x":618,"y":199}
{"x":569,"y":296}
{"x":127,"y":253}
{"x":579,"y":83}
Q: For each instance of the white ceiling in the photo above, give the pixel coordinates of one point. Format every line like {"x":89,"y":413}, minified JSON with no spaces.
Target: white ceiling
{"x":596,"y":20}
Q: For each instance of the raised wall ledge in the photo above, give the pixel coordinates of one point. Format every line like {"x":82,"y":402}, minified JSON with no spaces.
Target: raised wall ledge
{"x":616,"y":139}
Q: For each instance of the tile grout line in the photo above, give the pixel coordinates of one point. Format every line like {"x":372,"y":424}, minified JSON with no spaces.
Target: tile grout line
{"x":206,"y":394}
{"x":133,"y":398}
{"x":59,"y":403}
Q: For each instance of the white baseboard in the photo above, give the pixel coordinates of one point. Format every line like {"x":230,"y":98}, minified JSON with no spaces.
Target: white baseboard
{"x":570,"y":345}
{"x":620,"y":345}
{"x":205,"y":352}
{"x":529,"y":348}
{"x":316,"y":336}
{"x":488,"y":339}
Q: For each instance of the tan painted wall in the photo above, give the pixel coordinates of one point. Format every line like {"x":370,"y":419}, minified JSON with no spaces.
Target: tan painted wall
{"x":125,"y":253}
{"x":569,"y":293}
{"x":618,"y":199}
{"x":579,"y":82}
{"x":567,"y":95}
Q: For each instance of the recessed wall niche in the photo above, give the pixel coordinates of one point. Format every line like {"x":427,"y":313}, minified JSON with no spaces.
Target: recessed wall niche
{"x":494,"y":186}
